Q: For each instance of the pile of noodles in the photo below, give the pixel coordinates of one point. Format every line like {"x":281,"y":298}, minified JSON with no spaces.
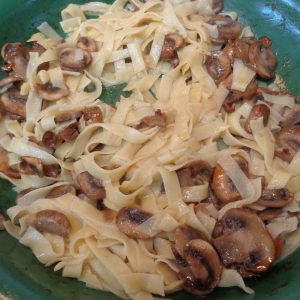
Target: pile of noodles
{"x":134,"y":163}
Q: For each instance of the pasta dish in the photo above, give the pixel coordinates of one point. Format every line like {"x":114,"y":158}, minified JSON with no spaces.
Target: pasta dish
{"x":189,"y":181}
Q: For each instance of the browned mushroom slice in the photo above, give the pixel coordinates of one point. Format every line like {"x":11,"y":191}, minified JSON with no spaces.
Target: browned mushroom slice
{"x":16,"y":57}
{"x":50,"y":221}
{"x":173,"y":42}
{"x":68,"y":133}
{"x":158,"y":119}
{"x":2,"y":219}
{"x":23,"y":193}
{"x":62,"y":190}
{"x":291,"y":116}
{"x":183,"y":235}
{"x":235,"y":96}
{"x":238,"y":49}
{"x":243,"y":242}
{"x":91,"y":186}
{"x":205,"y":268}
{"x":217,"y":6}
{"x":75,"y":59}
{"x":288,"y":138}
{"x":51,"y":170}
{"x":218,"y":66}
{"x":8,"y":81}
{"x":87,"y":43}
{"x":36,"y":47}
{"x":269,"y":214}
{"x":49,"y":139}
{"x":129,"y":218}
{"x":68,"y":116}
{"x":51,"y":93}
{"x":222,"y":185}
{"x":12,"y":102}
{"x":5,"y":168}
{"x":275,"y":198}
{"x":31,"y":165}
{"x":92,"y":115}
{"x":258,"y":111}
{"x":262,"y":59}
{"x":195,"y":173}
{"x":228,"y":29}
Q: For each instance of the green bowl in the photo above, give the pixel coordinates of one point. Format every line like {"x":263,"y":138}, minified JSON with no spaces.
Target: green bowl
{"x":23,"y":277}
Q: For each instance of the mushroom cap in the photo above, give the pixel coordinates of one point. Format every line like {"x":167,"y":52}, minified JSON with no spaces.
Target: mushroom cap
{"x":204,"y":268}
{"x":275,"y":198}
{"x":288,"y":138}
{"x":13,"y":102}
{"x":87,"y":43}
{"x":183,"y":235}
{"x":75,"y":59}
{"x":258,"y":111}
{"x":195,"y":173}
{"x":173,"y":42}
{"x":218,"y":66}
{"x":262,"y":59}
{"x":222,"y":186}
{"x":51,"y":93}
{"x":243,"y":242}
{"x":50,"y":221}
{"x":91,"y":186}
{"x":62,"y":190}
{"x":129,"y":218}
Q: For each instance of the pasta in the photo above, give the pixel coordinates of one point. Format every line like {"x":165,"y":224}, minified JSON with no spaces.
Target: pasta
{"x":153,"y":194}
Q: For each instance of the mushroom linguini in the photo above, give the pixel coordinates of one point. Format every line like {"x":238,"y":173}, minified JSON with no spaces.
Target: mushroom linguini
{"x":192,"y":182}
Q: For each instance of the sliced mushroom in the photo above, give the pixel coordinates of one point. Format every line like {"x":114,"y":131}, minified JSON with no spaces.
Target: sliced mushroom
{"x":68,"y":116}
{"x":51,"y":93}
{"x":228,"y":29}
{"x":275,"y":198}
{"x":288,"y":138}
{"x":205,"y":268}
{"x":91,"y":186}
{"x":62,"y":190}
{"x":217,"y":6}
{"x":291,"y":116}
{"x":223,"y":187}
{"x":75,"y":59}
{"x":269,"y":214}
{"x":52,"y":170}
{"x":69,"y":133}
{"x":129,"y":218}
{"x":31,"y":165}
{"x":173,"y":42}
{"x":8,"y":81}
{"x":12,"y":102}
{"x":243,"y":242}
{"x":5,"y":168}
{"x":158,"y":119}
{"x":262,"y":59}
{"x":183,"y":235}
{"x":87,"y":43}
{"x":238,"y":49}
{"x":92,"y":115}
{"x":49,"y":139}
{"x":195,"y":173}
{"x":2,"y":219}
{"x":23,"y":193}
{"x":218,"y":66}
{"x":50,"y":221}
{"x":16,"y":57}
{"x":258,"y":111}
{"x":235,"y":96}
